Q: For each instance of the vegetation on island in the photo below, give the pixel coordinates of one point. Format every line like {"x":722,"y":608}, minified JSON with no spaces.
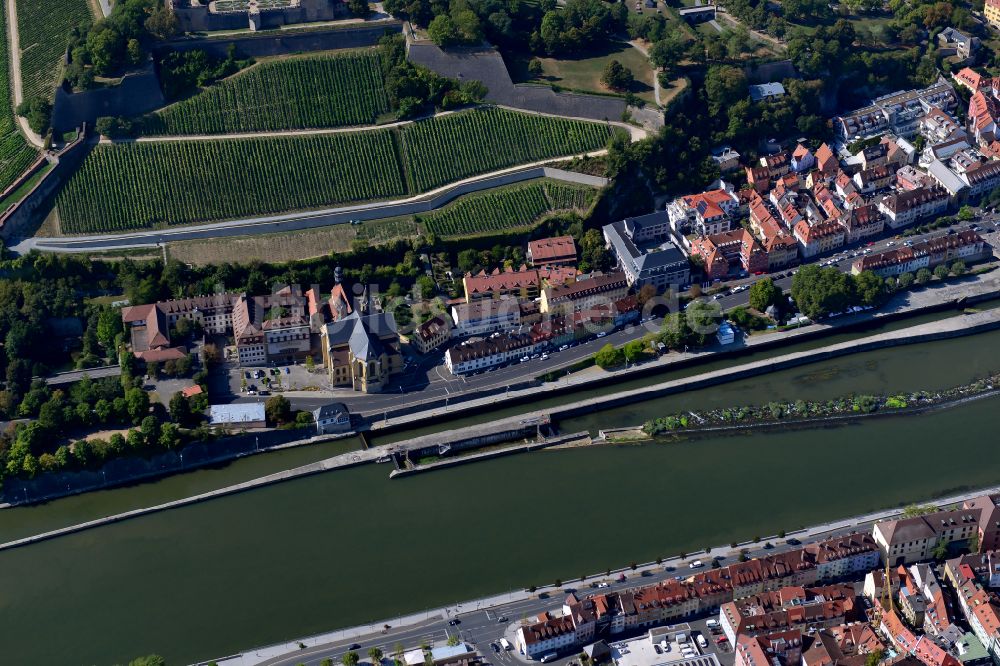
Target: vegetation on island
{"x":801,"y":410}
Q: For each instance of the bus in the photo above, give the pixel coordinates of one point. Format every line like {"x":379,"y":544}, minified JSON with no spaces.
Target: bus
{"x":551,"y":656}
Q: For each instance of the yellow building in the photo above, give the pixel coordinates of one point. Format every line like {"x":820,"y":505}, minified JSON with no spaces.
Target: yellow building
{"x":361,"y":351}
{"x":992,"y":12}
{"x":584,"y":294}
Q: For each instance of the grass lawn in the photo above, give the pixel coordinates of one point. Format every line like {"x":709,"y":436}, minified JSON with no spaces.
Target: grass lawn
{"x":584,"y":73}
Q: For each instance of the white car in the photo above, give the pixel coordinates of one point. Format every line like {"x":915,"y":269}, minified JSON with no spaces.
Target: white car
{"x":601,"y":334}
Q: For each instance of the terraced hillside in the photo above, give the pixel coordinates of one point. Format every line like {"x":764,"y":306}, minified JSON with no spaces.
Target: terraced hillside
{"x":43,"y":27}
{"x":147,"y":184}
{"x":457,"y":146}
{"x":15,"y":153}
{"x":310,"y":92}
{"x":140,"y":185}
{"x":506,"y":209}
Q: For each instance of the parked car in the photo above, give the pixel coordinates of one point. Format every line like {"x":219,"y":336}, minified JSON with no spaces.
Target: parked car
{"x":601,"y":334}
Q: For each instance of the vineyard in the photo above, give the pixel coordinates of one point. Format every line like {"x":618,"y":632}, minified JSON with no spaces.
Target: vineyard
{"x":141,"y":185}
{"x":298,"y":93}
{"x":157,"y":183}
{"x":15,"y":154}
{"x":43,"y":27}
{"x":457,"y":146}
{"x":506,"y":209}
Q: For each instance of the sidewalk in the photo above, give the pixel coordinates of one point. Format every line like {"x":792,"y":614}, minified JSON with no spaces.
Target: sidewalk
{"x":358,"y":633}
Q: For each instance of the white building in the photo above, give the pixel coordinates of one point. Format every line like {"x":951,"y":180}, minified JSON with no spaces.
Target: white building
{"x":485,"y":316}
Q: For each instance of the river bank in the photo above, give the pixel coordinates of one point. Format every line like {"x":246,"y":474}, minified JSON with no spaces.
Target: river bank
{"x":938,"y":298}
{"x":481,"y":435}
{"x":312,"y":550}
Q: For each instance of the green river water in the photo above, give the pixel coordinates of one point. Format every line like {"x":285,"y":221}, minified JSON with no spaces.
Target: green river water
{"x":352,"y":547}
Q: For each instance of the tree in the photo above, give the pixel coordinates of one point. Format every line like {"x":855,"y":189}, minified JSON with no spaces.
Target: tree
{"x":923,"y":276}
{"x":375,"y":654}
{"x":162,"y":23}
{"x":38,"y":111}
{"x":617,"y":76}
{"x":359,"y":8}
{"x":137,"y":404}
{"x":764,"y":293}
{"x":646,"y":292}
{"x":870,"y":288}
{"x":965,"y":213}
{"x":941,"y":272}
{"x":724,"y":86}
{"x":180,"y":409}
{"x":350,"y":658}
{"x":148,"y":660}
{"x":874,"y":658}
{"x":916,"y":510}
{"x":609,"y":356}
{"x":940,"y":550}
{"x":633,"y":350}
{"x":109,"y":325}
{"x":278,"y":409}
{"x":453,"y":640}
{"x":973,"y":544}
{"x":443,"y":31}
{"x":905,"y":280}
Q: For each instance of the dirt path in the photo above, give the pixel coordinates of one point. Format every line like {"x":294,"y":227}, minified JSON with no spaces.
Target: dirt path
{"x":636,"y":133}
{"x":763,"y":36}
{"x":641,"y":48}
{"x":14,"y":43}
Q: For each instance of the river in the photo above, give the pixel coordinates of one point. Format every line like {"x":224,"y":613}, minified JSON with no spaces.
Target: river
{"x":351,"y":547}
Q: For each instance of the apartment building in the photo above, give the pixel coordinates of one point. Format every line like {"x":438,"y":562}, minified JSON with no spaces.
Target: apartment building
{"x":899,"y":112}
{"x":988,"y":507}
{"x":992,"y":12}
{"x":780,"y":648}
{"x":862,"y":223}
{"x":909,"y":540}
{"x":728,"y":252}
{"x":521,"y":283}
{"x":584,"y":294}
{"x":485,"y":316}
{"x":707,"y":213}
{"x":902,"y":209}
{"x":905,"y":641}
{"x":643,"y":250}
{"x":797,"y":607}
{"x":819,"y":238}
{"x":431,"y":334}
{"x":964,"y":246}
{"x":558,"y":251}
{"x":497,"y":349}
{"x":843,"y":645}
{"x":548,"y":634}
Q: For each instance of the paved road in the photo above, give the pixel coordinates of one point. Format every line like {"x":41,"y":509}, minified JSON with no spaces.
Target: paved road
{"x":479,"y":625}
{"x":310,"y":219}
{"x":429,"y":380}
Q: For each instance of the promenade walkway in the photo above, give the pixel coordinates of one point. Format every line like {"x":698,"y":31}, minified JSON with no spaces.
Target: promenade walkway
{"x":953,"y":327}
{"x":262,"y":655}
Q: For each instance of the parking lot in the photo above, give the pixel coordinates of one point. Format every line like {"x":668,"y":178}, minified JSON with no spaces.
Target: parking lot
{"x":249,"y":382}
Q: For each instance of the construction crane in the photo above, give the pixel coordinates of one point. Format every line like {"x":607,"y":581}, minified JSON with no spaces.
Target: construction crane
{"x":885,"y":602}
